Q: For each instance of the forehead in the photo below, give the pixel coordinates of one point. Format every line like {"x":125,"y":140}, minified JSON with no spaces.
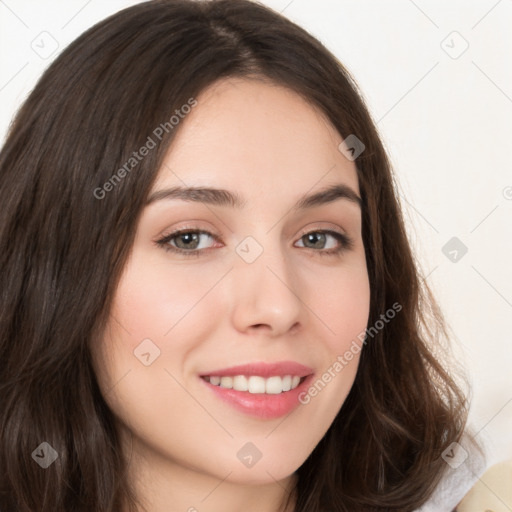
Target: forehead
{"x":259,"y":138}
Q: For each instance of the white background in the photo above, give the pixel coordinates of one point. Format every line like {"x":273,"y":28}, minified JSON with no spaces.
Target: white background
{"x":446,"y":120}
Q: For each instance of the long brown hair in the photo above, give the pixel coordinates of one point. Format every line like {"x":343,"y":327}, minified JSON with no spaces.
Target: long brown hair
{"x":63,"y":248}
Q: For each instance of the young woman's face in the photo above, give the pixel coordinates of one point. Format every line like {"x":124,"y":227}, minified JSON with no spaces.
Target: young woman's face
{"x":249,"y":286}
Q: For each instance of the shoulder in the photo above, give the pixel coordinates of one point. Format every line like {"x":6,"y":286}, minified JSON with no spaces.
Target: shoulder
{"x":492,"y":491}
{"x":465,"y":463}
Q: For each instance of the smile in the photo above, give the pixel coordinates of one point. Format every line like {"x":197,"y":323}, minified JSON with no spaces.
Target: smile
{"x":265,"y":390}
{"x":256,"y":384}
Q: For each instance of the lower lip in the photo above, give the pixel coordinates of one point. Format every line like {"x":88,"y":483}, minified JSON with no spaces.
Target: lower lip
{"x":262,"y":405}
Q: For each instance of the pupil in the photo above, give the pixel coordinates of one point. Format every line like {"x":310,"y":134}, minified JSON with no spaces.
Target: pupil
{"x":317,"y":236}
{"x":191,"y":237}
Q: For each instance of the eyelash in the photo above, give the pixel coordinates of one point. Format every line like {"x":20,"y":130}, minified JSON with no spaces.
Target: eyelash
{"x":346,"y":243}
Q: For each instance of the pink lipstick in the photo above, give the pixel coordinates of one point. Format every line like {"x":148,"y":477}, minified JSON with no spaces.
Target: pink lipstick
{"x":263,"y":390}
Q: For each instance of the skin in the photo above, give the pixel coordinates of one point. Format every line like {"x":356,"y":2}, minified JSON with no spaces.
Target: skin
{"x":268,"y":145}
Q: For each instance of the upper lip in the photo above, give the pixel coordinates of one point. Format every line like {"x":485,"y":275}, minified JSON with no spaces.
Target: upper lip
{"x":280,"y":368}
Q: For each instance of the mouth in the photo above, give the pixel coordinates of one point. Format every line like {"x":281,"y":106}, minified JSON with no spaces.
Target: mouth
{"x":256,"y":384}
{"x":261,"y":397}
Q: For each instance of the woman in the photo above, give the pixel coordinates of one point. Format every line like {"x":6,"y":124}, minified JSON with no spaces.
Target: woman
{"x":140,"y":371}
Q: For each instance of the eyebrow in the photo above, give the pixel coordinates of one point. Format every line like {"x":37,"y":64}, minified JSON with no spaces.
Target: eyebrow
{"x":223,"y":197}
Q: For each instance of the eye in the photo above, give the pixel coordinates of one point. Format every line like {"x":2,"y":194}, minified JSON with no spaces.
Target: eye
{"x":318,"y":240}
{"x":185,"y":241}
{"x":188,"y":242}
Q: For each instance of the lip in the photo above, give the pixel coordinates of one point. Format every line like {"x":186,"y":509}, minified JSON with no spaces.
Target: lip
{"x":276,"y":369}
{"x":262,"y":405}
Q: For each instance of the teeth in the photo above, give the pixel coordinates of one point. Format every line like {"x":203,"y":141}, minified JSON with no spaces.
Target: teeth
{"x":226,"y":382}
{"x":240,"y":383}
{"x":255,"y":384}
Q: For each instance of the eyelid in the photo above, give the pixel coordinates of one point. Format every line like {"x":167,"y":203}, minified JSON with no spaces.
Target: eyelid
{"x":327,"y":227}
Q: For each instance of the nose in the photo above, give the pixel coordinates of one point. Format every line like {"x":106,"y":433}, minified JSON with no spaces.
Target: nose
{"x":265,"y":294}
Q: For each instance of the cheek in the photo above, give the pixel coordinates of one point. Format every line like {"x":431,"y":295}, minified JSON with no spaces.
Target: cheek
{"x":343,"y":308}
{"x":153,"y":299}
{"x":342,"y":303}
{"x":347,"y":317}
